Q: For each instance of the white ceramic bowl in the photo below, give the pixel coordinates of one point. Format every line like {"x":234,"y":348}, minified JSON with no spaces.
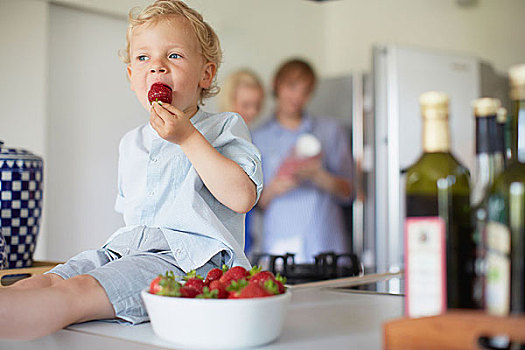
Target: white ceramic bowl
{"x":217,"y":323}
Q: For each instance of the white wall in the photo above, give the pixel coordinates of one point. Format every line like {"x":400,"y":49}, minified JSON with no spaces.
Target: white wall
{"x":493,"y":30}
{"x":23,"y":82}
{"x":90,"y":109}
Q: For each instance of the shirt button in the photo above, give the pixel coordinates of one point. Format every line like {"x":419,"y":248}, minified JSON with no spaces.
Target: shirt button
{"x":178,"y":251}
{"x":151,"y":193}
{"x":154,"y":160}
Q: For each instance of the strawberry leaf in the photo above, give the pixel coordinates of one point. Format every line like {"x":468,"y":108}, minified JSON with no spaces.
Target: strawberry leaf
{"x":208,"y":294}
{"x":280,"y":278}
{"x":192,"y":274}
{"x":236,"y":286}
{"x":271,"y":287}
{"x":255,"y":269}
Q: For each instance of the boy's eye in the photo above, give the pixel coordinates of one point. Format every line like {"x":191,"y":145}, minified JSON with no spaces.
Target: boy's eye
{"x":175,"y":55}
{"x":142,"y":58}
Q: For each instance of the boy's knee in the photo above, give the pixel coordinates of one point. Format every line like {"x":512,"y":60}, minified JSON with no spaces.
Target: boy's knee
{"x":38,"y":281}
{"x":80,"y":283}
{"x":86,"y":298}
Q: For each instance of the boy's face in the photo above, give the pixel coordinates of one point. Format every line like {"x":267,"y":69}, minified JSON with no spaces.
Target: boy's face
{"x":293,"y":93}
{"x":168,"y":52}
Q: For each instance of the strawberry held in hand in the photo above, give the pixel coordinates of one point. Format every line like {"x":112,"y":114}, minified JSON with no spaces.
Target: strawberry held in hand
{"x":160,"y":92}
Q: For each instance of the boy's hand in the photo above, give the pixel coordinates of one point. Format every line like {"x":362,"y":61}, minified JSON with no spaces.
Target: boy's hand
{"x":170,"y":123}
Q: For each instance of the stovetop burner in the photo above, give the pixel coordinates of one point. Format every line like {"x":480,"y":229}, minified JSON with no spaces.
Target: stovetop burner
{"x":328,"y":265}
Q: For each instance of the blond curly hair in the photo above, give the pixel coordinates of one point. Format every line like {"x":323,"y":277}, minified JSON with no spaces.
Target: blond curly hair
{"x":160,"y":9}
{"x":242,"y":77}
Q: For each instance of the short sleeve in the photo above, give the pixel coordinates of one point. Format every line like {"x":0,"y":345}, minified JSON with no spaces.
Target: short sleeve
{"x":234,"y":142}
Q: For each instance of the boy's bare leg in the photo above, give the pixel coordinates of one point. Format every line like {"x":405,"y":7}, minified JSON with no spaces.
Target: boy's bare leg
{"x":28,"y":313}
{"x":37,"y":281}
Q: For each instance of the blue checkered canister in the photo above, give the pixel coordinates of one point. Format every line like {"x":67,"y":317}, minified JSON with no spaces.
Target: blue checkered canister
{"x":20,"y":203}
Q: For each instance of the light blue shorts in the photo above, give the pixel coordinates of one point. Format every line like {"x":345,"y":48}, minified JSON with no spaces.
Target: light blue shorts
{"x":126,"y":266}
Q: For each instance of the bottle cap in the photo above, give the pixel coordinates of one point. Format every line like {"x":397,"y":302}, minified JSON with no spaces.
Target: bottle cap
{"x":486,"y":107}
{"x":502,"y":115}
{"x":434,"y":104}
{"x":517,"y":82}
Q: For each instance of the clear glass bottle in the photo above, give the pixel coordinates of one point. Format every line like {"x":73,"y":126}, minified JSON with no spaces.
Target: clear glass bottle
{"x":505,"y":230}
{"x":439,"y":250}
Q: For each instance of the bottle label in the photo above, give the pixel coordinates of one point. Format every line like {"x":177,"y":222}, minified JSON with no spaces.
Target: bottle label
{"x":497,"y":285}
{"x":425,"y":266}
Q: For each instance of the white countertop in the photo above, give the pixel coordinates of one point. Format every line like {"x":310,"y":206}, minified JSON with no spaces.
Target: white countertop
{"x":319,"y":317}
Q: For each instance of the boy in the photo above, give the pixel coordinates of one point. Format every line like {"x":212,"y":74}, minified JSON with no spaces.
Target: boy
{"x":186,"y":179}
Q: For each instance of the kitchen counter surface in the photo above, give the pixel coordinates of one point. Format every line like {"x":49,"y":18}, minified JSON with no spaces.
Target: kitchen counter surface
{"x":319,"y":316}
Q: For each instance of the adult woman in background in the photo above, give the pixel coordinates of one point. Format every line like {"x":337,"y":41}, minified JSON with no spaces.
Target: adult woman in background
{"x":302,"y":205}
{"x":243,"y":93}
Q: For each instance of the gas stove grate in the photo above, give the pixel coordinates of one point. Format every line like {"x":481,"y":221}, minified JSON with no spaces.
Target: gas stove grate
{"x":327,"y":265}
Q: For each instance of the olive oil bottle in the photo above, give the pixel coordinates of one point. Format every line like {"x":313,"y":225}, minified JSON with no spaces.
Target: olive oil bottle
{"x":489,"y":164}
{"x":502,"y":134}
{"x":439,"y":249}
{"x":505,"y":230}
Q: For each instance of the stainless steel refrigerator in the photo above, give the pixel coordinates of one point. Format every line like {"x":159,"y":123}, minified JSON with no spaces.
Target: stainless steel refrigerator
{"x":381,"y":111}
{"x":400,"y":74}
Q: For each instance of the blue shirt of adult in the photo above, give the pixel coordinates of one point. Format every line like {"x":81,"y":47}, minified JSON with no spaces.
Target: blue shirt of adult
{"x":306,"y":220}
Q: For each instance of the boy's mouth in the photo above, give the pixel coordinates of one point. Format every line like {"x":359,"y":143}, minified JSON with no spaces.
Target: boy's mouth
{"x":159,"y":92}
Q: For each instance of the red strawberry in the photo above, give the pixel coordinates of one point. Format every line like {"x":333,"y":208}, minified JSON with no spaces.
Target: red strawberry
{"x":155,"y":287}
{"x":254,"y":290}
{"x":221,"y":290}
{"x":280,"y":287}
{"x":165,"y":285}
{"x":261,"y":277}
{"x":195,"y":283}
{"x":160,"y":92}
{"x":234,"y":274}
{"x":214,"y":274}
{"x":235,"y":287}
{"x":187,"y":292}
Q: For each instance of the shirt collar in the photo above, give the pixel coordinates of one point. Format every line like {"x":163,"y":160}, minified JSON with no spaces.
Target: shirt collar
{"x":306,"y":125}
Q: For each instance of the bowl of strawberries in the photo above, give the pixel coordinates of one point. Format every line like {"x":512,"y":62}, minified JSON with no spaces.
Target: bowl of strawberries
{"x":229,"y":308}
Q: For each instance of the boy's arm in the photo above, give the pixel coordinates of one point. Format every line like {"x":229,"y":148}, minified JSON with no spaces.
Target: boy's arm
{"x":223,"y":177}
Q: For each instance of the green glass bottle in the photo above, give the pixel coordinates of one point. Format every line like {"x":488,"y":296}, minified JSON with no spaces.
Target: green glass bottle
{"x":489,"y":164}
{"x":439,"y":250}
{"x":502,"y":135}
{"x":505,"y":230}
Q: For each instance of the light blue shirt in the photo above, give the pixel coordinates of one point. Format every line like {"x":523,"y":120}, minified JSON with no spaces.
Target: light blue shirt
{"x":307,"y":220}
{"x":159,"y":187}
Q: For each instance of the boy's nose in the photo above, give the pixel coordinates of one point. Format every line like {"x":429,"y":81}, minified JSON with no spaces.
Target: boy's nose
{"x":158,"y":69}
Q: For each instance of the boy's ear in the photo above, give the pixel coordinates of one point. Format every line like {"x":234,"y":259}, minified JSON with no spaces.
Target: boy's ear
{"x":208,"y":73}
{"x":128,"y":69}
